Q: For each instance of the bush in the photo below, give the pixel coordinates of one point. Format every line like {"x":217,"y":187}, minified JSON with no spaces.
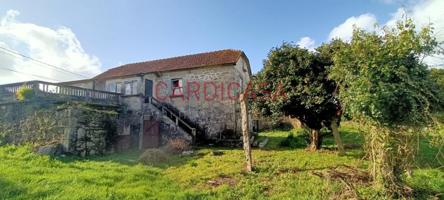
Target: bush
{"x":294,"y":142}
{"x":153,"y":157}
{"x":24,"y":93}
{"x":178,"y":146}
{"x":5,"y":131}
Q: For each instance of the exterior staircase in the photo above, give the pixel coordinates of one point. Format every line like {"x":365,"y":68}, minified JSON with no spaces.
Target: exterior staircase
{"x":178,"y":118}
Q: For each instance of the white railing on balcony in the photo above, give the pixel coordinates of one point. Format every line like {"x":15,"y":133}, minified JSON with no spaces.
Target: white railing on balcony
{"x":46,"y":89}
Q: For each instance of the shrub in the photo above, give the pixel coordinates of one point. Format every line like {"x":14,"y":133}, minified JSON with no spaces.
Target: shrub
{"x":6,"y":131}
{"x":24,"y":93}
{"x":153,"y":157}
{"x":177,"y":146}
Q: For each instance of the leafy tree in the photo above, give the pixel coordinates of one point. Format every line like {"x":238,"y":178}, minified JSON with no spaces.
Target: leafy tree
{"x":383,"y":85}
{"x":294,"y":83}
{"x":437,"y":86}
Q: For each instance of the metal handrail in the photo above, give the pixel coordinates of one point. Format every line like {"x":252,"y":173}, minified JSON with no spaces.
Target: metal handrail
{"x":178,"y":119}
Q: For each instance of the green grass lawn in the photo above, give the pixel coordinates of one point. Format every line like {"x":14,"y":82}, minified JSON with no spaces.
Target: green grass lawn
{"x":280,"y":173}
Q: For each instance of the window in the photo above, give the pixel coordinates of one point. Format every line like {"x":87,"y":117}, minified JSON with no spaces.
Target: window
{"x":114,"y":87}
{"x":130,"y":87}
{"x":119,"y":87}
{"x":110,"y":87}
{"x":177,"y":87}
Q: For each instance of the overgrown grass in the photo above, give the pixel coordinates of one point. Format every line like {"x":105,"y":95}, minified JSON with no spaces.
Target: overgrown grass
{"x":280,"y":173}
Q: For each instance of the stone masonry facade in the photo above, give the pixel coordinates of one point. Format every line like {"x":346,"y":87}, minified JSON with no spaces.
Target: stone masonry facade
{"x":208,"y":94}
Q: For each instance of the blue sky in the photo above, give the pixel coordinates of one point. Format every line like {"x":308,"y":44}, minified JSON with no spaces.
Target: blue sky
{"x":120,"y":32}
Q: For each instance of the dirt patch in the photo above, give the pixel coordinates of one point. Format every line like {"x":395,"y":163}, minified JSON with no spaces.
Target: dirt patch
{"x":349,"y":176}
{"x":222,"y":180}
{"x":345,"y":173}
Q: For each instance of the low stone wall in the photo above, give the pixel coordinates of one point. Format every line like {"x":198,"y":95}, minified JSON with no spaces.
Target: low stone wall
{"x":81,"y":129}
{"x":89,"y":130}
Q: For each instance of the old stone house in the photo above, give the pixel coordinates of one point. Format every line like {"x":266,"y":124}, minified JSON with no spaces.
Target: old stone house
{"x":192,"y":96}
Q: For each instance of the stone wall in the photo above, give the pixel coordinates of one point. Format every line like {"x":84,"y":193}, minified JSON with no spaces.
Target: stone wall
{"x":211,"y":108}
{"x":23,"y":122}
{"x":214,"y":107}
{"x":89,"y":130}
{"x":81,"y":129}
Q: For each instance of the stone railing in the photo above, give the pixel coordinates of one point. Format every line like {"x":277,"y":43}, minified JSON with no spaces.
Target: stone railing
{"x":56,"y":91}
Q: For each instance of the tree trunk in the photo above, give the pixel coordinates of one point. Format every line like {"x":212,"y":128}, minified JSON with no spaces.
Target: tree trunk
{"x":246,"y":132}
{"x":315,"y":142}
{"x":386,"y":166}
{"x":334,"y":129}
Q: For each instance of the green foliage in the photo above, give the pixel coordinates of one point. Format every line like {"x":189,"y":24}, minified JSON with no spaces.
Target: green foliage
{"x":294,"y":82}
{"x":5,"y":131}
{"x":24,"y":93}
{"x":437,"y":87}
{"x":385,"y":86}
{"x":382,"y":77}
{"x":282,"y":173}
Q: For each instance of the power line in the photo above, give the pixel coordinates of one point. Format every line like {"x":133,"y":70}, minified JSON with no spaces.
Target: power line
{"x":34,"y":75}
{"x":9,"y":51}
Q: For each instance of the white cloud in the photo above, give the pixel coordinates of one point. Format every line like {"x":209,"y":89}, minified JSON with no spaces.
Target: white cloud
{"x":59,"y":47}
{"x":423,"y":12}
{"x":396,"y":16}
{"x":345,"y":30}
{"x":307,"y":42}
{"x":401,"y":2}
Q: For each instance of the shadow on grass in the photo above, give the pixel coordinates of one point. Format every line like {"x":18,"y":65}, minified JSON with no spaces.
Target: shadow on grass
{"x":131,"y":158}
{"x":427,"y":193}
{"x":9,"y":190}
{"x":351,"y":140}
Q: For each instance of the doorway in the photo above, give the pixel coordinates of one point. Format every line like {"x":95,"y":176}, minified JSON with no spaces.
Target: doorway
{"x":151,"y":134}
{"x":148,"y":88}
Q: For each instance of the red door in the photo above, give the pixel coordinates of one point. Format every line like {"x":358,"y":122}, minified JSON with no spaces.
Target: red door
{"x":151,"y":134}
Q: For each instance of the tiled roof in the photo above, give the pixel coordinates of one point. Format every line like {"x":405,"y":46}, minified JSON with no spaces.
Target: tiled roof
{"x":221,"y":57}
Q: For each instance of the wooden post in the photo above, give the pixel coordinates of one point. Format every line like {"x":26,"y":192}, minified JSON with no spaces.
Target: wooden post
{"x":246,"y":131}
{"x":142,"y":125}
{"x":314,"y":140}
{"x":334,"y":129}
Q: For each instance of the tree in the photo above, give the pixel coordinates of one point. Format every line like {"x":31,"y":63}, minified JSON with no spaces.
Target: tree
{"x":383,"y":85}
{"x":294,"y":82}
{"x":246,"y":132}
{"x":437,"y":87}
